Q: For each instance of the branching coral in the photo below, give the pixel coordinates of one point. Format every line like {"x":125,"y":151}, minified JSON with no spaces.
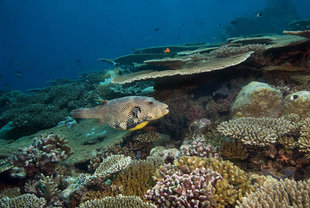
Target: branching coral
{"x":239,"y":183}
{"x":117,"y":202}
{"x":148,"y":137}
{"x":256,"y":131}
{"x":278,"y":194}
{"x":199,"y":147}
{"x":185,"y":190}
{"x":42,"y":156}
{"x":234,"y":150}
{"x":304,"y":139}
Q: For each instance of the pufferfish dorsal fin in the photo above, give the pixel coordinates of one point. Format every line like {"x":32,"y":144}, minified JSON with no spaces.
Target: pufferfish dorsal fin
{"x":101,"y":101}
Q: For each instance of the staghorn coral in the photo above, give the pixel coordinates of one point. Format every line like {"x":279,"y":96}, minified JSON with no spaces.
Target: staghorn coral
{"x":256,"y":131}
{"x":234,"y":150}
{"x":238,"y":180}
{"x":278,"y":194}
{"x":185,"y":190}
{"x":117,"y":202}
{"x":42,"y":156}
{"x":304,"y":139}
{"x":108,"y":166}
{"x":25,"y":201}
{"x":46,"y":187}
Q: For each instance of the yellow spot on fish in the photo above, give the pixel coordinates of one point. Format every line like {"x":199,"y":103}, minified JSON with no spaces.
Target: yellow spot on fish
{"x":139,"y":126}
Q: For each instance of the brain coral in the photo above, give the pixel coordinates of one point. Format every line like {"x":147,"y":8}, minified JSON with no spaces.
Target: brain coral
{"x":256,"y":131}
{"x":278,"y":194}
{"x":257,"y":99}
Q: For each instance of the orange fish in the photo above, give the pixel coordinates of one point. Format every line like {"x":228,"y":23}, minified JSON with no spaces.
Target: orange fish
{"x":167,"y":50}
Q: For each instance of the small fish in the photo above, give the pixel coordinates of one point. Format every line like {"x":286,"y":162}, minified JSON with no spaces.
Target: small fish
{"x":259,"y":14}
{"x":126,"y":113}
{"x":156,"y":29}
{"x":167,"y":50}
{"x":18,"y":74}
{"x":200,"y":24}
{"x":234,"y":22}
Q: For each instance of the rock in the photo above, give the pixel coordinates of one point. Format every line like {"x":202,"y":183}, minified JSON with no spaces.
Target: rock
{"x":257,"y":99}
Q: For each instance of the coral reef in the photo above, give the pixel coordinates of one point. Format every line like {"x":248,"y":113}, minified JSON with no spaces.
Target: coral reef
{"x":234,"y":184}
{"x":199,"y":147}
{"x":304,"y":139}
{"x":185,"y":190}
{"x":298,"y":103}
{"x":256,"y":131}
{"x":234,"y":150}
{"x":107,"y":167}
{"x":257,"y":99}
{"x":148,"y":137}
{"x":10,"y":192}
{"x":284,"y":193}
{"x":227,"y":50}
{"x":25,"y":201}
{"x":43,"y":156}
{"x":116,"y":202}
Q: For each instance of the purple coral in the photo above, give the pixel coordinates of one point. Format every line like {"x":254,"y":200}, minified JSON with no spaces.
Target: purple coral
{"x":41,"y":157}
{"x":185,"y":190}
{"x":199,"y":147}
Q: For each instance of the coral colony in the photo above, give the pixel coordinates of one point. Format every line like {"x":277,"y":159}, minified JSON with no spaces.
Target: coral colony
{"x":237,"y":133}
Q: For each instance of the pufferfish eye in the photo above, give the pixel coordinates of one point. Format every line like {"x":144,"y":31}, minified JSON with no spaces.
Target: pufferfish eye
{"x":150,"y":102}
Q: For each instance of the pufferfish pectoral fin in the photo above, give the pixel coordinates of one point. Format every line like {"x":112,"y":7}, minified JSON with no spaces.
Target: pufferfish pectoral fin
{"x":139,"y":126}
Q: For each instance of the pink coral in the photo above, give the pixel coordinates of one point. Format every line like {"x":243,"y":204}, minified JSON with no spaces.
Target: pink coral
{"x":185,"y":190}
{"x":199,"y":147}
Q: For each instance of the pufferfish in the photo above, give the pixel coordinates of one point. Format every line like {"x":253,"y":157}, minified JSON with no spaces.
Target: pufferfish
{"x":126,"y":113}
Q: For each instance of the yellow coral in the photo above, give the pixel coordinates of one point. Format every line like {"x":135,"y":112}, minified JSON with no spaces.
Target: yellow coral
{"x":234,"y":150}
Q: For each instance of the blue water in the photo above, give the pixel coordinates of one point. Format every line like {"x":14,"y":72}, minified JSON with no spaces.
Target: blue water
{"x":52,"y":39}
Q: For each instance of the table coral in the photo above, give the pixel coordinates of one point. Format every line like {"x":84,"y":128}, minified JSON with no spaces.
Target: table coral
{"x":256,"y":131}
{"x":117,"y":202}
{"x":185,"y":190}
{"x":42,"y":156}
{"x":108,"y":166}
{"x":25,"y":201}
{"x":278,"y":194}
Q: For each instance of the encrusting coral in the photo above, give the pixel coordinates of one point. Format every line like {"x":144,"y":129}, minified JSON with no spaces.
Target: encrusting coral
{"x":42,"y":156}
{"x":117,"y":202}
{"x":25,"y":201}
{"x":278,"y":194}
{"x":256,"y":131}
{"x":257,"y":99}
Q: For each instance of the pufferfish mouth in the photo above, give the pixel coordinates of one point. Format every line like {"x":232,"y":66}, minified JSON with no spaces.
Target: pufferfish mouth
{"x":166,"y":111}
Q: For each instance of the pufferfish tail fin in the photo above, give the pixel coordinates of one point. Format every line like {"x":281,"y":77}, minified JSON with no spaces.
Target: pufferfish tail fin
{"x":86,"y":113}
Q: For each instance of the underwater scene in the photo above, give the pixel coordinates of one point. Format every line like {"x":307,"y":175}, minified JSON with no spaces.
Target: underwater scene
{"x":156,"y":103}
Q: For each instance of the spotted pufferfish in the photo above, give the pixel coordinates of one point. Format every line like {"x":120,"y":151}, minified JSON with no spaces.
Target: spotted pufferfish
{"x":126,"y":113}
